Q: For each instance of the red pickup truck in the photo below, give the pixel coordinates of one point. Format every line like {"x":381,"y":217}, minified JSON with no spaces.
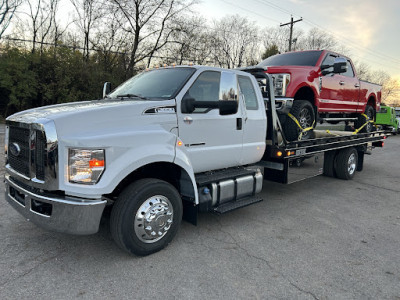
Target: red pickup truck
{"x":320,"y":85}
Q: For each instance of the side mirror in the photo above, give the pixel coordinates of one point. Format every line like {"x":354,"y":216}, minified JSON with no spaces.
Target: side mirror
{"x":226,"y":107}
{"x":106,"y":89}
{"x":339,"y":65}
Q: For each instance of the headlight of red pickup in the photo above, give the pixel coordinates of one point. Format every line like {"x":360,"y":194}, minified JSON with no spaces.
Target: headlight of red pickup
{"x":281,"y":81}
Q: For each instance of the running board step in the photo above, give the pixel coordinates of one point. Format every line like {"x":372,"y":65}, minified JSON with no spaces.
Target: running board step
{"x":229,"y":206}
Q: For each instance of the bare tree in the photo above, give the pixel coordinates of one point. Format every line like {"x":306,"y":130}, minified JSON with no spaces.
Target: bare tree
{"x":235,"y":42}
{"x":317,"y":39}
{"x":278,"y":36}
{"x":190,"y":41}
{"x":41,"y":14}
{"x":89,"y":12}
{"x":7,"y":11}
{"x":147,"y":23}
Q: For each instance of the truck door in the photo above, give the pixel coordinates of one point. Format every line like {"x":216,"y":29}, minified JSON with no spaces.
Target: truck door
{"x":212,"y":141}
{"x":254,"y":122}
{"x":331,"y":95}
{"x":350,"y":89}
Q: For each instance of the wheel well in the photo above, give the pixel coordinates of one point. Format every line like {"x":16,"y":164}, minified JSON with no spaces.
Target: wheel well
{"x":371,"y":102}
{"x":168,"y":172}
{"x":305,"y":93}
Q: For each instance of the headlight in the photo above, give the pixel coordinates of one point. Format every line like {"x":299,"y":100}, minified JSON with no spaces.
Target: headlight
{"x":85,"y":166}
{"x":281,"y":81}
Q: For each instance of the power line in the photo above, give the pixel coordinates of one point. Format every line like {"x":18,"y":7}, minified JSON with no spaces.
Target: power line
{"x":245,"y":9}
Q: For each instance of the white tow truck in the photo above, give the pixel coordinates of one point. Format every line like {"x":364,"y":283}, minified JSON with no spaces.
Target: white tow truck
{"x":162,"y":146}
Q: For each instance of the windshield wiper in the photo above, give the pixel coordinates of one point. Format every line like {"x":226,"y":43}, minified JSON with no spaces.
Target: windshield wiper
{"x":131,"y":96}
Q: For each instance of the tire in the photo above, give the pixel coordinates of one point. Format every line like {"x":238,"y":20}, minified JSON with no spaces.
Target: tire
{"x":303,"y":111}
{"x":361,"y":120}
{"x":146,"y":216}
{"x":346,"y":163}
{"x":329,"y":163}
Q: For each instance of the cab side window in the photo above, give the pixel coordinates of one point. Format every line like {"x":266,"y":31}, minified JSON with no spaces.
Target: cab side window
{"x":247,"y":89}
{"x":205,"y":88}
{"x":329,"y":60}
{"x":349,"y":72}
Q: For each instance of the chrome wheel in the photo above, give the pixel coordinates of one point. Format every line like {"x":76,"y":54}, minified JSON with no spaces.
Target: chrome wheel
{"x":370,"y":115}
{"x":153,"y":219}
{"x":305,"y":119}
{"x":351,"y":164}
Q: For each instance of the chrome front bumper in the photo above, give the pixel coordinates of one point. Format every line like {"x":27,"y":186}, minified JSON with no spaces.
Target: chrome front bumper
{"x":283,"y":105}
{"x":53,"y":212}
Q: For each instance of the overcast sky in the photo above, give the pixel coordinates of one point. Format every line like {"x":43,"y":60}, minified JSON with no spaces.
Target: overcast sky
{"x":370,"y":29}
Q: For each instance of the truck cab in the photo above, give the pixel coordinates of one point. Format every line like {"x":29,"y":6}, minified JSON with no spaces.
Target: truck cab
{"x":156,"y":133}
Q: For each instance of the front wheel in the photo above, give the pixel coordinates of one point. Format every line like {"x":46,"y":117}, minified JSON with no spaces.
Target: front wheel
{"x":146,"y":216}
{"x":303,"y":111}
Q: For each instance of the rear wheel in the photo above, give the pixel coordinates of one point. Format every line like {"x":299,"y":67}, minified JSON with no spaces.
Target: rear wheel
{"x":303,"y":111}
{"x":146,"y":216}
{"x":361,"y":120}
{"x":346,"y":163}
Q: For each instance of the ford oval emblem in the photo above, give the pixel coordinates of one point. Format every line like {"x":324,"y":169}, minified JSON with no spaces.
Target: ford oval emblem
{"x":15,"y":149}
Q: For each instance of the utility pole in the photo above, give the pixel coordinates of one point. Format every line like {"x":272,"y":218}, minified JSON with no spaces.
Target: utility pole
{"x":291,"y":30}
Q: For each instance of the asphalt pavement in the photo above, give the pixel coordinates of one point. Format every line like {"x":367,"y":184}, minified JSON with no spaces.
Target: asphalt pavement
{"x":321,"y":238}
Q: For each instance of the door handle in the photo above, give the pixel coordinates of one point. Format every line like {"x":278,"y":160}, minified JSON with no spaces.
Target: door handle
{"x":239,"y":124}
{"x":341,"y":82}
{"x":357,"y":85}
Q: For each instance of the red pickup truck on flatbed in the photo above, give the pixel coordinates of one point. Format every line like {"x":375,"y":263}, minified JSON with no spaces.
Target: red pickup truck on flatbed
{"x":320,"y":85}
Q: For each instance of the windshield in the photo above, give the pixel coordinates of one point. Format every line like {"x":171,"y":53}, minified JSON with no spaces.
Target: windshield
{"x":397,"y":112}
{"x":303,"y":58}
{"x":154,"y":84}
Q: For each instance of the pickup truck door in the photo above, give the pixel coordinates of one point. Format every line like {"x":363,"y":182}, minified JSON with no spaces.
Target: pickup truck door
{"x":331,"y":94}
{"x":351,"y":89}
{"x":212,"y":141}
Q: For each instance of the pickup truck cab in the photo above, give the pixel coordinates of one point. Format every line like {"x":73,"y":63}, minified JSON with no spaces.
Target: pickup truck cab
{"x":320,"y":85}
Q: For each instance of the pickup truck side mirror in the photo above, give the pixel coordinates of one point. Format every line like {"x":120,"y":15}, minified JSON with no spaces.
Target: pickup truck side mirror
{"x":106,"y":89}
{"x":226,"y":107}
{"x":339,"y":65}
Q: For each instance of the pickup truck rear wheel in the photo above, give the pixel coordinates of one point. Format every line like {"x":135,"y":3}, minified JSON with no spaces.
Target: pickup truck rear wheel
{"x":146,"y":216}
{"x":361,"y":120}
{"x":303,"y":111}
{"x":346,"y":163}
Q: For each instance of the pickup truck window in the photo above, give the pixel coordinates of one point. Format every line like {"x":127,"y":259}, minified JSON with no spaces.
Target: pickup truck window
{"x":349,"y":72}
{"x":205,"y":88}
{"x":328,"y":61}
{"x":246,"y":87}
{"x":302,"y":58}
{"x":155,"y":84}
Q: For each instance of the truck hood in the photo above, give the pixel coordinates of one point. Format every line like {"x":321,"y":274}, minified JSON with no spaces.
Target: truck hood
{"x":101,"y":114}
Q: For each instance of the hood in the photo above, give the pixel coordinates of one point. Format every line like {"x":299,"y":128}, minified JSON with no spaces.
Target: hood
{"x":94,"y":115}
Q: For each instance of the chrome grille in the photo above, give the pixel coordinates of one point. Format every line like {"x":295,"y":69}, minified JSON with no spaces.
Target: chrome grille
{"x":19,"y":161}
{"x":30,"y":158}
{"x":40,"y":155}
